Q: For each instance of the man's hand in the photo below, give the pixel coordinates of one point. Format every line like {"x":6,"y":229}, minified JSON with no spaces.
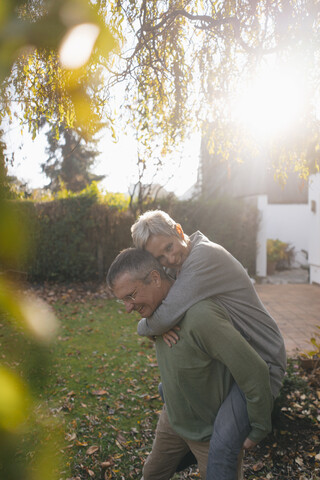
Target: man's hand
{"x":171,"y":337}
{"x":248,"y":444}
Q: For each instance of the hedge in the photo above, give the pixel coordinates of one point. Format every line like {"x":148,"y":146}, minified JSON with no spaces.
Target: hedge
{"x":76,"y":239}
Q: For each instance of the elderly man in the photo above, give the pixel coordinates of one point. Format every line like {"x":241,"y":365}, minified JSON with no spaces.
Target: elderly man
{"x":210,"y":361}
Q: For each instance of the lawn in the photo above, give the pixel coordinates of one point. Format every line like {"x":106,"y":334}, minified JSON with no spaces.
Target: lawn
{"x":101,"y":385}
{"x":97,"y":384}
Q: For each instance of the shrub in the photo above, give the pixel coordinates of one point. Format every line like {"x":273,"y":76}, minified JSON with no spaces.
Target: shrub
{"x":76,"y":237}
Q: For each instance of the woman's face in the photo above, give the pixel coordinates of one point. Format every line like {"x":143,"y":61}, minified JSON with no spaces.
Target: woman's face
{"x":170,"y":251}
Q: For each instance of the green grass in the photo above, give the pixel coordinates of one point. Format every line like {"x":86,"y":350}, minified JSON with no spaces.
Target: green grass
{"x":97,"y":386}
{"x":99,"y":381}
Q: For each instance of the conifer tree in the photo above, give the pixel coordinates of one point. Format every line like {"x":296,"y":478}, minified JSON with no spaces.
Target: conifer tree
{"x":70,"y":158}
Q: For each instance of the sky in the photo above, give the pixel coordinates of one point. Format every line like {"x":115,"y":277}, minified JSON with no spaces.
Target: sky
{"x":117,"y":162}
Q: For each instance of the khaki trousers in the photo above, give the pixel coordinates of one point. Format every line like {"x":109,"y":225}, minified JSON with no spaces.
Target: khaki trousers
{"x":169,"y":448}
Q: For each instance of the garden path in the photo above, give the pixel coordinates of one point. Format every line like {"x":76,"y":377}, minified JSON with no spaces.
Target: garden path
{"x":296,"y":309}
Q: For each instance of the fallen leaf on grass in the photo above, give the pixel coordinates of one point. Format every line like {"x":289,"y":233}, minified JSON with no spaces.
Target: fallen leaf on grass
{"x":106,"y":464}
{"x":99,"y":392}
{"x":148,"y":397}
{"x":121,"y":438}
{"x":118,"y":445}
{"x":71,"y":437}
{"x":92,"y":450}
{"x":86,"y":469}
{"x":258,"y":466}
{"x":299,"y":461}
{"x":82,"y":444}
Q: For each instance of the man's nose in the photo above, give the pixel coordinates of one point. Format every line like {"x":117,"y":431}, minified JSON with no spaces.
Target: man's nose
{"x":129,"y":306}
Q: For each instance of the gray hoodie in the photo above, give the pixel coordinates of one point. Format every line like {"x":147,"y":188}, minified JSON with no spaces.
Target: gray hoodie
{"x":211,"y":271}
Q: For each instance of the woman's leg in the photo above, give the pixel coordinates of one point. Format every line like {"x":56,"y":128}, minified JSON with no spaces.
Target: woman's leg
{"x":230,"y":429}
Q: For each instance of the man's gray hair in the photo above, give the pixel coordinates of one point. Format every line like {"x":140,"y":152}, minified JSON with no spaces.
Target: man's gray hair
{"x":139,"y":263}
{"x":153,"y":222}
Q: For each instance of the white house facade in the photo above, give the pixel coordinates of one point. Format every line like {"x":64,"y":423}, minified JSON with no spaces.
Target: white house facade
{"x":297,"y":224}
{"x":314,"y":228}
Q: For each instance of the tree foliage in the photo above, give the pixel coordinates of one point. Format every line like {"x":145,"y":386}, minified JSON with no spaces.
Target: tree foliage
{"x":185,"y":61}
{"x":4,"y":180}
{"x":69,"y":160}
{"x":181,"y":64}
{"x":35,"y":84}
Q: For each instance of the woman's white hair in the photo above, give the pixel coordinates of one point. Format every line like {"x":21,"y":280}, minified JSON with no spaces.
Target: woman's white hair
{"x":153,"y":222}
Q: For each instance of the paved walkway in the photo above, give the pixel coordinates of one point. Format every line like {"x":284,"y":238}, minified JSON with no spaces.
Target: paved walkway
{"x":296,"y":309}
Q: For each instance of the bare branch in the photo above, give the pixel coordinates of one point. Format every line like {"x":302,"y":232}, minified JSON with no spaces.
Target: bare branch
{"x":206,"y":23}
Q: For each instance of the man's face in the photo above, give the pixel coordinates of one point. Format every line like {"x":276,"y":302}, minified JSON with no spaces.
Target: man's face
{"x":170,"y":251}
{"x":137,"y":295}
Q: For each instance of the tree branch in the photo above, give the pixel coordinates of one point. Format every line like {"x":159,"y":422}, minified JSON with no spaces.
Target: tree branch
{"x":207,"y":23}
{"x":182,"y":13}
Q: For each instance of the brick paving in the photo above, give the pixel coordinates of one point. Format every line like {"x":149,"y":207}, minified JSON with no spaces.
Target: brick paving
{"x":296,"y":309}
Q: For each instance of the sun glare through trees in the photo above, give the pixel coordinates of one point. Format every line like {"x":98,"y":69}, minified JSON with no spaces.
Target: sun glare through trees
{"x":77,"y":46}
{"x":272,"y":103}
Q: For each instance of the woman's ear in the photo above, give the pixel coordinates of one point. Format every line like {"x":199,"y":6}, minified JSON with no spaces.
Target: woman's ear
{"x":179,"y":230}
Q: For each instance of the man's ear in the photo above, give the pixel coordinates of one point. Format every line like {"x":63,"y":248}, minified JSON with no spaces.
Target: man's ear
{"x":155,"y":278}
{"x":179,"y":230}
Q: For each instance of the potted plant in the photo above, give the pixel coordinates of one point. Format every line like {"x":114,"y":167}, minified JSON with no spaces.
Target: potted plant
{"x":278,"y":254}
{"x":310,"y":360}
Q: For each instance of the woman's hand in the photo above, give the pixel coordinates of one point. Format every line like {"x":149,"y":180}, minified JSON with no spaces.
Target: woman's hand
{"x":171,"y":337}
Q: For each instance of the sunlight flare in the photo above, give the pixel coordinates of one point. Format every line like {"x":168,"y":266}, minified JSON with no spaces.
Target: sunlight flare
{"x":273,"y":102}
{"x":77,"y":45}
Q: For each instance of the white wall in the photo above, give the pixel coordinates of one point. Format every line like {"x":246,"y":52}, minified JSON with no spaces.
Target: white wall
{"x":261,"y":259}
{"x":288,"y":223}
{"x":314,"y":237}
